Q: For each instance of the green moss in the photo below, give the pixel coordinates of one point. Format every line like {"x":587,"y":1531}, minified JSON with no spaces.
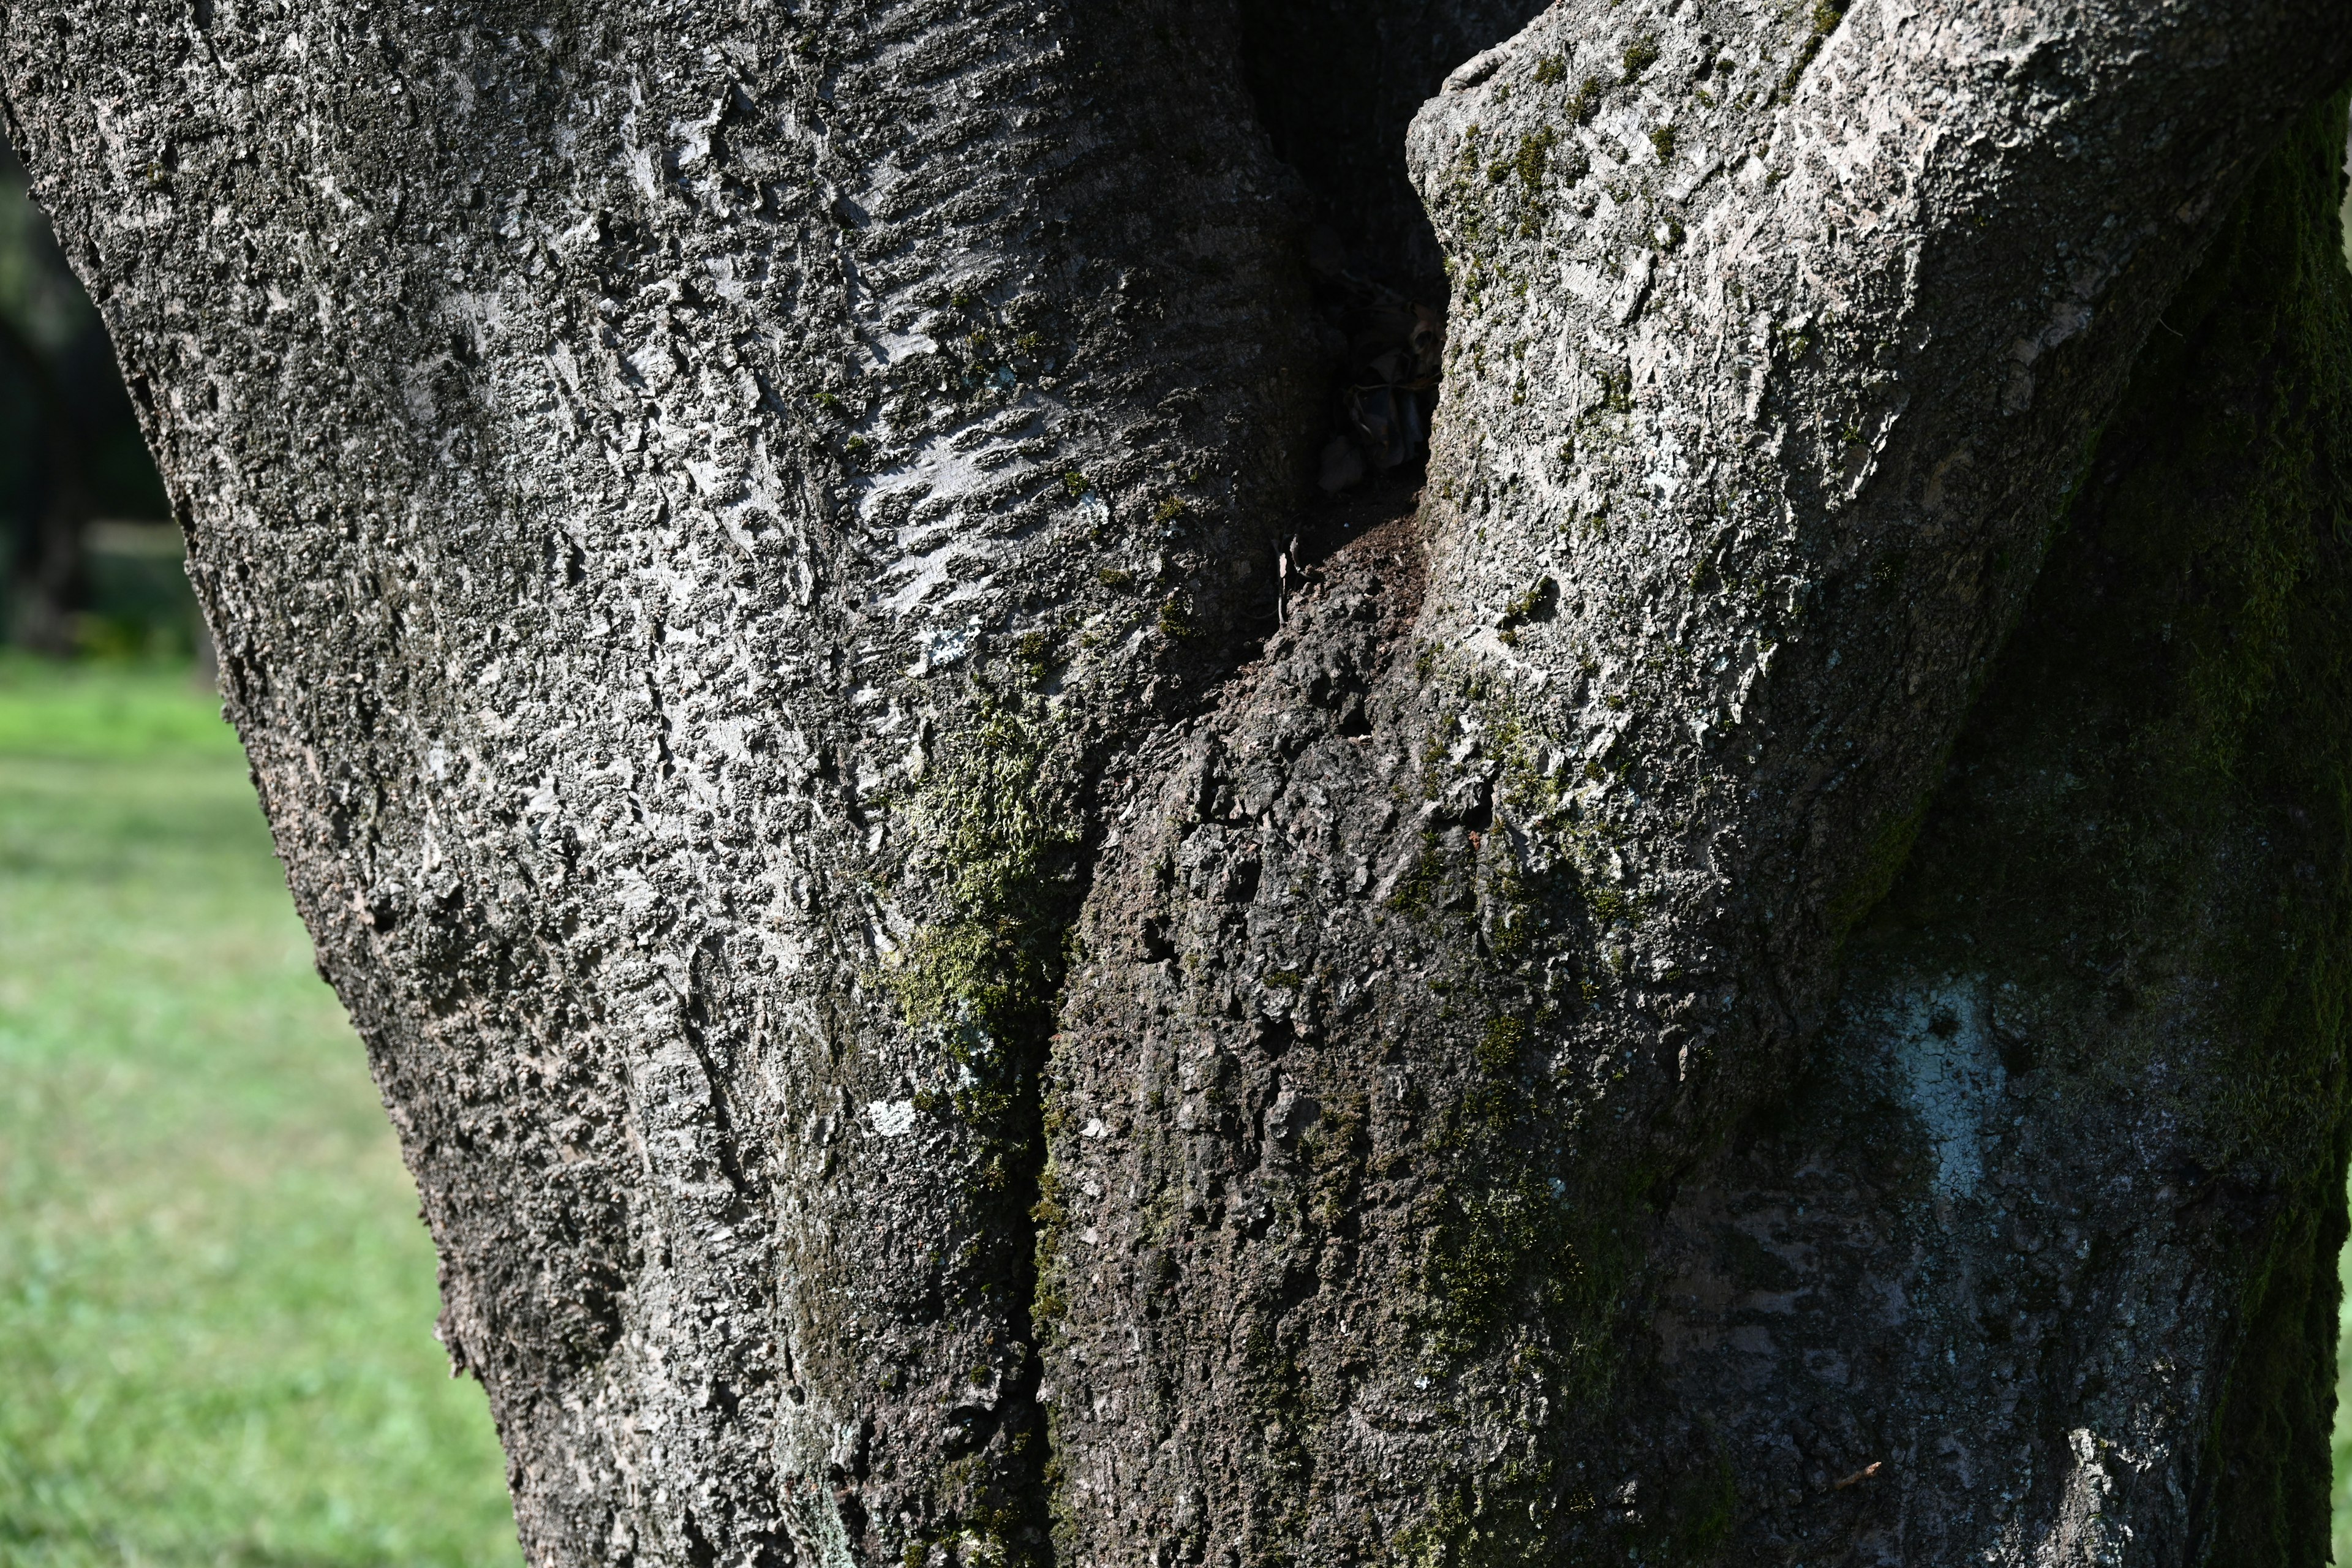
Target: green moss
{"x":1494,"y":1519}
{"x":1510,"y":1243}
{"x":1587,"y":102}
{"x":1694,"y":1521}
{"x":1418,"y":887}
{"x":1823,"y":20}
{"x":1541,"y":597}
{"x":1532,"y":159}
{"x":1499,"y":1047}
{"x":1479,"y":1246}
{"x":1039,"y":652}
{"x":1335,"y":1150}
{"x":1525,"y":1253}
{"x":983,"y":1522}
{"x":1639,"y":56}
{"x":996,"y":838}
{"x":1889,"y":853}
{"x":996,"y":824}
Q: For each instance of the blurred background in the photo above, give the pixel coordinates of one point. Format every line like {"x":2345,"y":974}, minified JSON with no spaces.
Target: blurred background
{"x":93,"y":560}
{"x":216,"y":1300}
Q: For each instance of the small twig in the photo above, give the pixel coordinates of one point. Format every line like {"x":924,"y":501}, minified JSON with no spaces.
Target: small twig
{"x":1859,"y":1476}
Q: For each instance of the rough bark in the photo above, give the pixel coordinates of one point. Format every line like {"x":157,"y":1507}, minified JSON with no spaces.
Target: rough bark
{"x":1740,"y":480}
{"x":640,"y":466}
{"x":730,"y":533}
{"x":2109,"y":988}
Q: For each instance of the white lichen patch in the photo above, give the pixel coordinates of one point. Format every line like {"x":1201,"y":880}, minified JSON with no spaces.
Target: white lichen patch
{"x":1939,"y":1041}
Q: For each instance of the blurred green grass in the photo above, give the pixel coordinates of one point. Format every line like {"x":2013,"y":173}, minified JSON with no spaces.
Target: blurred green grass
{"x":216,"y":1300}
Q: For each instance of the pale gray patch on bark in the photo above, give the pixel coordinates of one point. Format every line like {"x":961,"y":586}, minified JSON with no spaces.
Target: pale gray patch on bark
{"x":633,"y":456}
{"x":1773,"y":354}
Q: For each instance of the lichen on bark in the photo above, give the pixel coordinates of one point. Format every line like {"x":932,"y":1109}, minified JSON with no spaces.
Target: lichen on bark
{"x":734,"y":533}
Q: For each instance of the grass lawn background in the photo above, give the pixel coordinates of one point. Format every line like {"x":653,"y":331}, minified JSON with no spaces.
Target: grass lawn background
{"x":216,"y":1300}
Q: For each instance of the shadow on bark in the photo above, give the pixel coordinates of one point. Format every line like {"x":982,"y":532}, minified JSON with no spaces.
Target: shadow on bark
{"x":2077,"y":1127}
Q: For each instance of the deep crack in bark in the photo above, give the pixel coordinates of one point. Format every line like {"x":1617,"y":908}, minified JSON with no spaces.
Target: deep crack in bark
{"x":724,"y":530}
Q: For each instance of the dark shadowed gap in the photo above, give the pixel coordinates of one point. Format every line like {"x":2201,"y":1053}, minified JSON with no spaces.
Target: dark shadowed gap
{"x":1335,"y":84}
{"x":86,"y":564}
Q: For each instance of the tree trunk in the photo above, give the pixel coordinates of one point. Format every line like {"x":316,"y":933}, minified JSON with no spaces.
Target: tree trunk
{"x":1761,"y":978}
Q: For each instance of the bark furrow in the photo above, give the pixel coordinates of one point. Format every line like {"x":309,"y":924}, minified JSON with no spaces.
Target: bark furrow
{"x":743,"y":541}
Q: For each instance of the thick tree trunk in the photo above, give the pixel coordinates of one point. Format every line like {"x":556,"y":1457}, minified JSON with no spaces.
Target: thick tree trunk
{"x":741,"y":545}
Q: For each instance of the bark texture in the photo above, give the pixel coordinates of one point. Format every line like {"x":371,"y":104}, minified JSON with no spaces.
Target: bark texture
{"x":733,"y":534}
{"x":1749,"y":455}
{"x":2109,"y":988}
{"x":648,"y":469}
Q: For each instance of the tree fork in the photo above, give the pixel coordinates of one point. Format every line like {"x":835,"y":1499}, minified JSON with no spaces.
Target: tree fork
{"x":727,"y":534}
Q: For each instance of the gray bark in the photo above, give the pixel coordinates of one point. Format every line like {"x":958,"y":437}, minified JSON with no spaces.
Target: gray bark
{"x":742,"y":543}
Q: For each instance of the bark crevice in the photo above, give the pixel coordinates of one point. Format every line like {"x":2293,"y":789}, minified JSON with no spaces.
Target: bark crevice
{"x":731,"y":535}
